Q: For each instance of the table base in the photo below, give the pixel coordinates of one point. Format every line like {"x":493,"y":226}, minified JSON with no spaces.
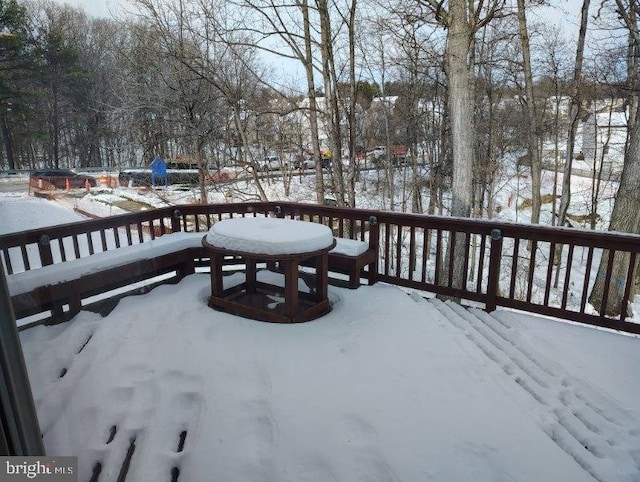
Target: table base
{"x":266,"y":303}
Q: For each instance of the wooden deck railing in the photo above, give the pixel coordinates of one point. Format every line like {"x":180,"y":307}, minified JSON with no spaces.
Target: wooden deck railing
{"x":504,"y":264}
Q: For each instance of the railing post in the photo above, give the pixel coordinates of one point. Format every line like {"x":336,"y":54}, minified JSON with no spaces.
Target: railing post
{"x":374,"y":232}
{"x":19,"y":430}
{"x":374,"y":243}
{"x":493,"y":282}
{"x":176,"y":225}
{"x":44,"y":247}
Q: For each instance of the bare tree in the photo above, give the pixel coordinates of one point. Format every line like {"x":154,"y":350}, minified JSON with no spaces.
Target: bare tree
{"x":414,"y":52}
{"x":533,"y":135}
{"x":307,"y":61}
{"x":294,"y":26}
{"x":460,"y":93}
{"x":352,"y":107}
{"x":462,"y":19}
{"x":379,"y":114}
{"x":204,"y":63}
{"x":555,"y":83}
{"x":626,"y":212}
{"x":495,"y":113}
{"x":574,"y":114}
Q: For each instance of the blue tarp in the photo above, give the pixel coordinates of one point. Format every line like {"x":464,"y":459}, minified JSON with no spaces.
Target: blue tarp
{"x":158,"y":170}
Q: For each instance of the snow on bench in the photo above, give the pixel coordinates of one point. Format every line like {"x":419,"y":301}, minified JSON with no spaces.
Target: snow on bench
{"x":71,"y":270}
{"x":69,"y":283}
{"x":349,"y":247}
{"x":351,"y":256}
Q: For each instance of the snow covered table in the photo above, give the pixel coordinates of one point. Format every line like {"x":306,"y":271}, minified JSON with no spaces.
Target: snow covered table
{"x":287,"y":242}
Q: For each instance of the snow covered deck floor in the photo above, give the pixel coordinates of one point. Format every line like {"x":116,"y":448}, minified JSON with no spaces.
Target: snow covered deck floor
{"x":387,"y":387}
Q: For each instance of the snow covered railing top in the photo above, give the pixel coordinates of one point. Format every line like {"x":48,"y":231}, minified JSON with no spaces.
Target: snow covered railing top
{"x":545,"y":270}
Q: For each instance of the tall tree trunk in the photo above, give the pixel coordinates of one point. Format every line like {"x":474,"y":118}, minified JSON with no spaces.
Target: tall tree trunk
{"x":460,"y":97}
{"x":598,"y":167}
{"x":624,"y":218}
{"x":629,"y":15}
{"x":574,"y":115}
{"x":313,"y":104}
{"x":352,"y":105}
{"x":246,"y":143}
{"x":460,"y":100}
{"x":530,"y":107}
{"x":626,"y":211}
{"x":332,"y":110}
{"x":202,"y":169}
{"x":55,"y":131}
{"x":8,"y":143}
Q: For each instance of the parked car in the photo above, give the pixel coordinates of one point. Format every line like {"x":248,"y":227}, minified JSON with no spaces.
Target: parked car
{"x":10,"y":173}
{"x":378,"y":152}
{"x":271,"y":163}
{"x":309,"y":163}
{"x":303,"y":163}
{"x":332,"y":202}
{"x":398,"y":154}
{"x":58,"y":178}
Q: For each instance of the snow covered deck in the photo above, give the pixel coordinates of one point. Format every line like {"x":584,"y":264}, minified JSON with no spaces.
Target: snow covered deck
{"x":386,"y":387}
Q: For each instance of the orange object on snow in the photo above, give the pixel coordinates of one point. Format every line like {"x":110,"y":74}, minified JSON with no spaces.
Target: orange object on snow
{"x":67,"y":184}
{"x":87,"y":185}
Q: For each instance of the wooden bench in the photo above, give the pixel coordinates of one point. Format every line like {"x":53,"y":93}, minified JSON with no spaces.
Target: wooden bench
{"x":63,"y":286}
{"x":352,"y":256}
{"x":53,"y":286}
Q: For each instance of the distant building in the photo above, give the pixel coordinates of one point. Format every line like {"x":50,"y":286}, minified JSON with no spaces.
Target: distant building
{"x":604,"y":136}
{"x":600,"y":140}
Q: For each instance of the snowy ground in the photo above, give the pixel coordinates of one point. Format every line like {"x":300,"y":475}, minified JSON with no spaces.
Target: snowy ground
{"x":387,"y":387}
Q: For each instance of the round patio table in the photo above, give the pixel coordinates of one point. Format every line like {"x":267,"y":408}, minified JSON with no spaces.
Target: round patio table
{"x":275,"y":241}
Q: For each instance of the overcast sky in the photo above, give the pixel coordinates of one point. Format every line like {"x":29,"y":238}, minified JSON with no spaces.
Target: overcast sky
{"x":96,"y":8}
{"x":565,"y":11}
